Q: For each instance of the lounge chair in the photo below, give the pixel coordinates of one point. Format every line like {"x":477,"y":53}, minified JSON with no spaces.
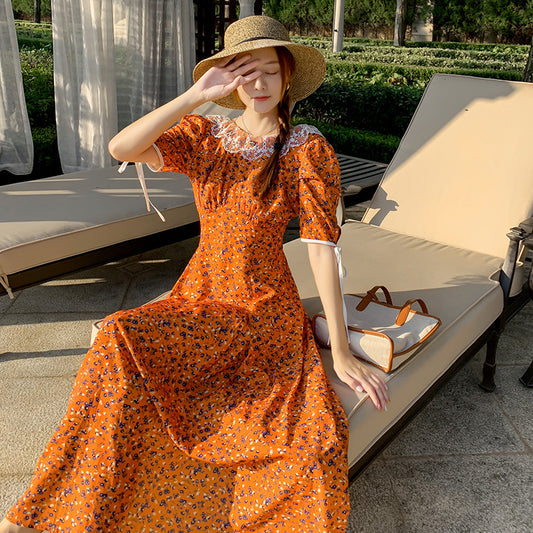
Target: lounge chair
{"x":57,"y":225}
{"x":437,"y":229}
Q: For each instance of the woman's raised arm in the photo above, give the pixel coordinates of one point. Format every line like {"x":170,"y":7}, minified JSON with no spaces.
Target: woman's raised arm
{"x":349,"y":370}
{"x":134,"y":142}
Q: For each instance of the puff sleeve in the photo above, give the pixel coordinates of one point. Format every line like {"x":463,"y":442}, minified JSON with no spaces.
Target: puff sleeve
{"x":179,"y":148}
{"x":319,"y":192}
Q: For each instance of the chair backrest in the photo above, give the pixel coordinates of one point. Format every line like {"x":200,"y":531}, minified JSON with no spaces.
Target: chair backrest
{"x":463,"y":173}
{"x":210,"y":108}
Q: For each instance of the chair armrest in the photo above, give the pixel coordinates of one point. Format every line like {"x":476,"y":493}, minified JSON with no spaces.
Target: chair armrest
{"x":346,"y":191}
{"x":528,"y":243}
{"x":351,"y":190}
{"x":527,"y":225}
{"x":521,"y":234}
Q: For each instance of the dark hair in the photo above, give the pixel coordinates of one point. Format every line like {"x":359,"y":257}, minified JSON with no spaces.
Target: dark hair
{"x":271,"y":166}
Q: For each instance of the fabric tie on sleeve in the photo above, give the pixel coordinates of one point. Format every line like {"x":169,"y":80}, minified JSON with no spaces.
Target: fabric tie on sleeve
{"x":342,"y":274}
{"x":140,"y":175}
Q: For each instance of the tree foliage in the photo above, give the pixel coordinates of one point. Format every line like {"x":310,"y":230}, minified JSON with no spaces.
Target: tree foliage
{"x":508,"y":21}
{"x":505,"y":20}
{"x":23,"y":9}
{"x":303,"y":16}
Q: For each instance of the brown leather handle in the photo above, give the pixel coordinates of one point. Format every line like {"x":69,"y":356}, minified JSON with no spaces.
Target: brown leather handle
{"x":406,"y":309}
{"x":371,"y":297}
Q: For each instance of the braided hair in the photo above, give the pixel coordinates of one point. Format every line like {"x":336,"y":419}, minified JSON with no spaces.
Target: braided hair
{"x":271,"y":166}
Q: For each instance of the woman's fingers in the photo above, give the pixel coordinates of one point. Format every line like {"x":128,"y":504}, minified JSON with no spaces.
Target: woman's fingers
{"x":247,"y":70}
{"x":221,"y":80}
{"x":251,"y":76}
{"x":234,"y":61}
{"x":374,"y":386}
{"x":230,"y":87}
{"x":360,"y":378}
{"x":239,"y":80}
{"x":379,"y":384}
{"x":376,"y":398}
{"x":240,"y":65}
{"x":381,"y":389}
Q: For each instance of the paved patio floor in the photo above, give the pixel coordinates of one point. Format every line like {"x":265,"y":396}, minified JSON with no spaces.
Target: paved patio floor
{"x":465,"y":463}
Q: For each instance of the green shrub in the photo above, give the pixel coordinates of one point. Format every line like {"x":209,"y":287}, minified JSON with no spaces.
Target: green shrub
{"x":358,"y":143}
{"x":38,"y":80}
{"x":36,"y":61}
{"x":384,"y":109}
{"x":378,"y":62}
{"x":46,"y":155}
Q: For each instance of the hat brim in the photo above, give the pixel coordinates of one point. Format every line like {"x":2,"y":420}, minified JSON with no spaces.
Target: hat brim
{"x":309,"y":72}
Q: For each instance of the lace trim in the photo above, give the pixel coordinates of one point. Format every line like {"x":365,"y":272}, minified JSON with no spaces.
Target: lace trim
{"x":235,"y":140}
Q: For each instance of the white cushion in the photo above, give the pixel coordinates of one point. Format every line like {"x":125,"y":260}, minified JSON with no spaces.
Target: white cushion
{"x":54,"y":218}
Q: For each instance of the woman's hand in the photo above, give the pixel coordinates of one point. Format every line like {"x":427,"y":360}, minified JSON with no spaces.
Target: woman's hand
{"x":134,"y":142}
{"x":360,"y":378}
{"x":223,"y":79}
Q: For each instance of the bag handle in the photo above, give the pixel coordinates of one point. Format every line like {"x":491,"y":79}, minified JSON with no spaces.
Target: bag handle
{"x":371,"y":297}
{"x":406,"y":309}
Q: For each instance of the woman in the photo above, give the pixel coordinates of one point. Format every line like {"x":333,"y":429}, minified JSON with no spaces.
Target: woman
{"x":210,"y":410}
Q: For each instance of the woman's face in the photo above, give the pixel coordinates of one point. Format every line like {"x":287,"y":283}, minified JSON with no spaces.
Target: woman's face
{"x":263,"y":94}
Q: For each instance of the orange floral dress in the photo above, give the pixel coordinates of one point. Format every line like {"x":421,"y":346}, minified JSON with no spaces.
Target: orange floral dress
{"x":210,"y":410}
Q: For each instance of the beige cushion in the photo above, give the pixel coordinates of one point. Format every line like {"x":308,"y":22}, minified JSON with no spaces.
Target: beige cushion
{"x":457,"y":285}
{"x":462,"y":174}
{"x":53,"y":218}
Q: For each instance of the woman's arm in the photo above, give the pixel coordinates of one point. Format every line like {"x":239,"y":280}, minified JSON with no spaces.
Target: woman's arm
{"x":134,"y":142}
{"x":349,"y":370}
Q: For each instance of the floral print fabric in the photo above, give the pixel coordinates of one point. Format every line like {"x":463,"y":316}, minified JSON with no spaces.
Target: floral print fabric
{"x":210,"y":410}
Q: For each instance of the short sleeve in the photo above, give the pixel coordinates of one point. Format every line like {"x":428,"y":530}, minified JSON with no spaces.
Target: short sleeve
{"x":319,"y":192}
{"x":179,"y":148}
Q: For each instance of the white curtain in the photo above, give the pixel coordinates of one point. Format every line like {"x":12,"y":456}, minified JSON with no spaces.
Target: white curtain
{"x":115,"y":60}
{"x":16,"y":145}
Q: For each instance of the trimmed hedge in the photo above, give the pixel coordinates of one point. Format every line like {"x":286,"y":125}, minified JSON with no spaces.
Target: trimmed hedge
{"x":358,"y":143}
{"x":383,"y":109}
{"x":378,"y":62}
{"x":324,"y":43}
{"x":31,"y":35}
{"x":363,"y":108}
{"x":435,"y":58}
{"x":396,"y":74}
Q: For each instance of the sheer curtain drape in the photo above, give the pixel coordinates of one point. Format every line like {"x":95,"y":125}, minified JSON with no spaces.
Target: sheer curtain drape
{"x":16,"y":145}
{"x":115,"y":60}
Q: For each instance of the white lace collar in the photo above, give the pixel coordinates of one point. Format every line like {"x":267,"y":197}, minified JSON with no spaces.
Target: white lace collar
{"x":236,"y":140}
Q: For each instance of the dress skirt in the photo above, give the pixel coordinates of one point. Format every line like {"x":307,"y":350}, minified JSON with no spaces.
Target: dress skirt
{"x":215,"y":441}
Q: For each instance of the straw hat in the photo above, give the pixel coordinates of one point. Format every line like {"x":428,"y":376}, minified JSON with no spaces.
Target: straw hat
{"x":252,"y":33}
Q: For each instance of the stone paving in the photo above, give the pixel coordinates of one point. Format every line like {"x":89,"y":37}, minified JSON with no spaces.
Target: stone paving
{"x":464,"y":464}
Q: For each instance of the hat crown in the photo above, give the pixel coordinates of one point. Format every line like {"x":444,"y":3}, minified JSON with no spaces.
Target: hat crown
{"x":253,"y":28}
